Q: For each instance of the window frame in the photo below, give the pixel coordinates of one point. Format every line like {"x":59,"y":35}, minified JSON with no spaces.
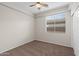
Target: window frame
{"x":54,"y":22}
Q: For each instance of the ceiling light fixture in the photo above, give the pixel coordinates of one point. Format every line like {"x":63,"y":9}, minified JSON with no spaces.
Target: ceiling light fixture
{"x":39,"y":5}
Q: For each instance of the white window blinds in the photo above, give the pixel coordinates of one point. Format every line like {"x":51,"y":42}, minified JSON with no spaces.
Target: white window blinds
{"x":55,"y":23}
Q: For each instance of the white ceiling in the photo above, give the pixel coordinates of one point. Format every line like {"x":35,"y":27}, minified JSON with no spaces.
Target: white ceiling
{"x":24,"y":6}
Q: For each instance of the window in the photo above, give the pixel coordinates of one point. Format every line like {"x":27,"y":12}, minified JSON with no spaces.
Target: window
{"x":55,"y":23}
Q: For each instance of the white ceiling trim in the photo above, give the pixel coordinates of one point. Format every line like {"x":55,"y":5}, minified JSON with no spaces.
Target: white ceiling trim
{"x":29,"y":14}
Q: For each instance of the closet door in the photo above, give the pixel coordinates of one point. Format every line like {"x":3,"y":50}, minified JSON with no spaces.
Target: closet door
{"x":76,"y":31}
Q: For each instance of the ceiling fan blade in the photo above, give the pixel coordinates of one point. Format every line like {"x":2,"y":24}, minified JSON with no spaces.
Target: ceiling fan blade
{"x":45,"y":5}
{"x":32,"y":5}
{"x":39,"y":8}
{"x":38,"y":2}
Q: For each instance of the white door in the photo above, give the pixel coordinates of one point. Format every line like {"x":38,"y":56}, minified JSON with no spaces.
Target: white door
{"x":76,"y":31}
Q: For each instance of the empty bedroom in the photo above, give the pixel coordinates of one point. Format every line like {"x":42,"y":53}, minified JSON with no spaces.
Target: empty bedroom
{"x":39,"y":28}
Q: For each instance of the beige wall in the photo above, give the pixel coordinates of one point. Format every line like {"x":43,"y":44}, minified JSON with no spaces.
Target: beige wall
{"x":15,"y":28}
{"x":56,"y":38}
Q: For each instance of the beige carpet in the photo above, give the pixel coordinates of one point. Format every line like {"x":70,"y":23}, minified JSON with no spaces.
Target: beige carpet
{"x":38,"y":48}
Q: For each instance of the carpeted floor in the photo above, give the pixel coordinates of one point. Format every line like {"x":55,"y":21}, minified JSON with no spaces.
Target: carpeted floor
{"x":39,"y":48}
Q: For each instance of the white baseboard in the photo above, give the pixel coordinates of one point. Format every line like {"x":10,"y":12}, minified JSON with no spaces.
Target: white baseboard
{"x":17,"y":45}
{"x":53,"y":43}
